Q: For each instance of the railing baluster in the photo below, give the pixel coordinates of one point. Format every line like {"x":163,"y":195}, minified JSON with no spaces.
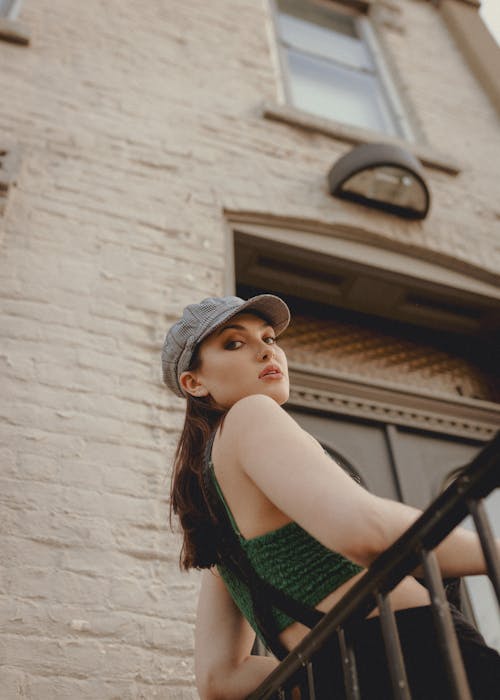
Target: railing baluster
{"x":478,"y":512}
{"x":447,"y":639}
{"x":310,"y":680}
{"x":348,"y":658}
{"x":400,"y":687}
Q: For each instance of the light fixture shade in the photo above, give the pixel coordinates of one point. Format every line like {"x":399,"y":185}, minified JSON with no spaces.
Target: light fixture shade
{"x":383,"y":176}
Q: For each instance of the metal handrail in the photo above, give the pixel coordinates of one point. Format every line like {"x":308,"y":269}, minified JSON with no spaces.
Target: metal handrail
{"x":412,"y":549}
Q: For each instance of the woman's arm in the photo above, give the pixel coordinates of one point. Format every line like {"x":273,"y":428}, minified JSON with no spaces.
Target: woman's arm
{"x":224,"y":668}
{"x":303,"y":482}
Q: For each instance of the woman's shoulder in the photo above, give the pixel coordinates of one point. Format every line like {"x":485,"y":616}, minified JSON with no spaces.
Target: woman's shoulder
{"x":256,"y":417}
{"x":244,"y":415}
{"x":252,"y":404}
{"x":250,"y":413}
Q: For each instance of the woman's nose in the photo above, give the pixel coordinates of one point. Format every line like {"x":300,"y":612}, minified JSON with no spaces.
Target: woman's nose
{"x":266,"y":352}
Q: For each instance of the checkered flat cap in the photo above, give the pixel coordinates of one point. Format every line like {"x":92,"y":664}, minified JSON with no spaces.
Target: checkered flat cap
{"x":200,"y":320}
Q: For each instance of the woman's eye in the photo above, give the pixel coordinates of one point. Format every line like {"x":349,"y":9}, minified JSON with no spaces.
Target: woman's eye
{"x":233,"y":344}
{"x":270,"y":340}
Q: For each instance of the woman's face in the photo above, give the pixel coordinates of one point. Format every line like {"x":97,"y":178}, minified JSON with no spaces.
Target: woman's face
{"x":239,"y":359}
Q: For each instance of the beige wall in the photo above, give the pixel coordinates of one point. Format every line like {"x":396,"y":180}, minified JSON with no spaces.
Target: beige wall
{"x":140,"y":123}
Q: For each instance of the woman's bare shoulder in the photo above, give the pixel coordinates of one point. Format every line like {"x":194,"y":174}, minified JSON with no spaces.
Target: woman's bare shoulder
{"x":255,"y":424}
{"x":244,"y":417}
{"x":252,"y":403}
{"x":250,"y":414}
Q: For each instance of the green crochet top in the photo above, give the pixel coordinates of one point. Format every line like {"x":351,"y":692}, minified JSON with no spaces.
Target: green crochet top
{"x":290,"y":559}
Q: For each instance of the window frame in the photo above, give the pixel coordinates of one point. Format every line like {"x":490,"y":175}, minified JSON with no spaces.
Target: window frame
{"x":393,"y":103}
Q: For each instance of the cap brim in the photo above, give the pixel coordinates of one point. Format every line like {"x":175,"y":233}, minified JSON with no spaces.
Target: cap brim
{"x":271,"y":307}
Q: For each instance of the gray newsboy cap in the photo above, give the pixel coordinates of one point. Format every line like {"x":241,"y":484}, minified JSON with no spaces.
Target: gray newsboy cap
{"x":199,"y":320}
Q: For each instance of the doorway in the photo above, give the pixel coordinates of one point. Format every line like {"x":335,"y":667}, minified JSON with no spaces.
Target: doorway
{"x":396,"y":360}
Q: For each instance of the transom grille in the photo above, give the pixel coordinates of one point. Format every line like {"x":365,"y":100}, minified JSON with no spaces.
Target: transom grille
{"x":385,"y":353}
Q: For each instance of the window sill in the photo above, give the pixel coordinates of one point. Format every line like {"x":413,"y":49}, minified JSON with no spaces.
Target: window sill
{"x":355,"y":135}
{"x":14,"y":32}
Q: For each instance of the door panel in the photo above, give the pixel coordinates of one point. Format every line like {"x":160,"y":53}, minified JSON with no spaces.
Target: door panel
{"x":424,"y":460}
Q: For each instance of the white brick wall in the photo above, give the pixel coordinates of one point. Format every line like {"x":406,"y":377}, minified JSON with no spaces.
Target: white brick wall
{"x":139,"y":123}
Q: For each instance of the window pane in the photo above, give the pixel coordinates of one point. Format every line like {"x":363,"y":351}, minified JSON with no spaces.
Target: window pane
{"x":324,"y":42}
{"x":337,"y":93}
{"x":5,"y":6}
{"x":322,"y":16}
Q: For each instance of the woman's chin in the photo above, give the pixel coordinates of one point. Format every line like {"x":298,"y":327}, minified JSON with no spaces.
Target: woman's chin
{"x":279,"y":392}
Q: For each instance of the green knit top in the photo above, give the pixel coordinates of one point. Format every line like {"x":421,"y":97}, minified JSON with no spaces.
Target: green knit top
{"x":290,"y":559}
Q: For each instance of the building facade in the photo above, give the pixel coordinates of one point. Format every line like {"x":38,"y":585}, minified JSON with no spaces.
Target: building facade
{"x":152,"y":155}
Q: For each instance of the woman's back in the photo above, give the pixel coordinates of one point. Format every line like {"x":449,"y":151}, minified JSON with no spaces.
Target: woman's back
{"x":287,"y":557}
{"x":256,"y":518}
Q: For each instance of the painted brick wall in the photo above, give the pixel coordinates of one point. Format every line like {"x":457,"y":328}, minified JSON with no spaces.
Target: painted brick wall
{"x":139,"y":123}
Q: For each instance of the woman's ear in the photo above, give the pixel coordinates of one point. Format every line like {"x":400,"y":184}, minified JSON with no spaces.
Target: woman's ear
{"x":191,"y":385}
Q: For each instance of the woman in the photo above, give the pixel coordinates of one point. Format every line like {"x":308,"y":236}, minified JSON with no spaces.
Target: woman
{"x":302,"y":523}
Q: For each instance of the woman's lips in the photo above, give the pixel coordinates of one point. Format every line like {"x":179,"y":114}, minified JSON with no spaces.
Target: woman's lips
{"x":271,"y":373}
{"x":270,"y":377}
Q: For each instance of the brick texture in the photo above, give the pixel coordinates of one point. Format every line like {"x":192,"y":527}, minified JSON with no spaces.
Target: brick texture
{"x":139,"y":123}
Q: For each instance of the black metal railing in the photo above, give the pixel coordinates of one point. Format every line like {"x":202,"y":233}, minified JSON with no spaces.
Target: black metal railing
{"x":415,"y":547}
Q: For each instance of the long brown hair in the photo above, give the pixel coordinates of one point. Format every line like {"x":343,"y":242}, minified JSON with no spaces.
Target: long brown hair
{"x":199,"y":524}
{"x":187,"y":498}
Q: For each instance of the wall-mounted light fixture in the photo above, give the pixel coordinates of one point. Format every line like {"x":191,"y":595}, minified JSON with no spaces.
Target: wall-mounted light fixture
{"x":383,"y":176}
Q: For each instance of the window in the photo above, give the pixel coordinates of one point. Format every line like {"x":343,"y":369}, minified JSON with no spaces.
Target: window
{"x":334,"y":67}
{"x":9,"y":8}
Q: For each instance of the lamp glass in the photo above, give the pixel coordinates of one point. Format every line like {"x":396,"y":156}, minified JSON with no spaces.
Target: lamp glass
{"x":389,"y":184}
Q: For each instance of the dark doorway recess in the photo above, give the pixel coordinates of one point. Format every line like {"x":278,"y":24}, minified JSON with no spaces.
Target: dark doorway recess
{"x":457,"y":363}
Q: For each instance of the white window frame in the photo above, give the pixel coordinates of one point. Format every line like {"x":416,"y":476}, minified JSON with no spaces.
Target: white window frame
{"x":367,"y":34}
